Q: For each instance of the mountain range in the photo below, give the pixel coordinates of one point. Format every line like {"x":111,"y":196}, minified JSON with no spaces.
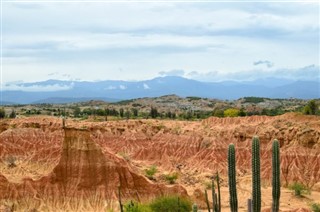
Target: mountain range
{"x":59,"y":91}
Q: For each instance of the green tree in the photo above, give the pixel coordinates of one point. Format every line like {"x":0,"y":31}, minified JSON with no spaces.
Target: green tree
{"x":311,"y":108}
{"x":242,"y":112}
{"x":154,"y":112}
{"x":231,"y":112}
{"x":12,"y":114}
{"x":121,"y":112}
{"x":218,"y":113}
{"x":2,"y":113}
{"x":135,"y":112}
{"x":76,"y":112}
{"x":127,"y":114}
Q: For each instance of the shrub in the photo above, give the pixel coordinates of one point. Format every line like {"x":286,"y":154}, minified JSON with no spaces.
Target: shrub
{"x":11,"y":161}
{"x":315,"y":207}
{"x":231,"y":112}
{"x":299,"y":189}
{"x":151,"y":171}
{"x":2,"y":113}
{"x":171,"y":178}
{"x":171,"y":204}
{"x":136,"y":207}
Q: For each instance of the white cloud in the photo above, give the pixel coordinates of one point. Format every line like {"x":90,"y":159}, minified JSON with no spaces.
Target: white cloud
{"x":122,"y":87}
{"x":111,"y":87}
{"x":172,"y":73}
{"x":145,"y":86}
{"x":145,"y":39}
{"x":36,"y":88}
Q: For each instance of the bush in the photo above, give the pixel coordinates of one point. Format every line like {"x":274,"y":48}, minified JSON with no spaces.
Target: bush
{"x":231,"y":112}
{"x":136,"y":207}
{"x":151,"y":171}
{"x":171,"y":178}
{"x":11,"y":161}
{"x":315,"y":207}
{"x":171,"y":204}
{"x":299,"y":189}
{"x":2,"y":113}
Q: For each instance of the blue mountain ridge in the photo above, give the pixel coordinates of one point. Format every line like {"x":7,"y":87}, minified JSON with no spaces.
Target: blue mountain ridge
{"x":112,"y":90}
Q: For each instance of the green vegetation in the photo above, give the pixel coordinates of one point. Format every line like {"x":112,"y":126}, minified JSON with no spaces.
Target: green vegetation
{"x":12,"y":114}
{"x":232,"y":178}
{"x":190,"y":108}
{"x":299,"y":189}
{"x":275,"y":175}
{"x":194,"y":207}
{"x":136,"y":207}
{"x":253,"y":99}
{"x":171,"y":204}
{"x":150,"y":172}
{"x":315,"y":207}
{"x":231,"y":112}
{"x":2,"y":113}
{"x":256,"y":187}
{"x":191,"y":98}
{"x":312,"y":108}
{"x":171,"y":178}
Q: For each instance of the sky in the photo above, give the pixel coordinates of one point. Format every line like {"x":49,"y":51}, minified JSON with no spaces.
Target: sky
{"x":211,"y":41}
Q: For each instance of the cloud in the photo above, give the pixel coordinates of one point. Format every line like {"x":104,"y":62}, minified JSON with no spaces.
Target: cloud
{"x":36,"y":88}
{"x":185,"y":36}
{"x":172,"y":73}
{"x":145,"y":86}
{"x":53,"y":73}
{"x":122,"y":87}
{"x":264,"y":62}
{"x":111,"y":87}
{"x":307,"y":73}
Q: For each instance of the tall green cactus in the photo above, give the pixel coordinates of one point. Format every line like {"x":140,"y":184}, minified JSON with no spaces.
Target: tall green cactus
{"x":213,"y":195}
{"x":218,"y":203}
{"x":256,"y":187}
{"x":119,"y":199}
{"x":275,"y":175}
{"x":232,"y":178}
{"x":207,"y":199}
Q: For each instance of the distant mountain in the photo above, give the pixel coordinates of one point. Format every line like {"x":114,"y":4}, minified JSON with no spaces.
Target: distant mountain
{"x":57,"y":100}
{"x":57,"y":91}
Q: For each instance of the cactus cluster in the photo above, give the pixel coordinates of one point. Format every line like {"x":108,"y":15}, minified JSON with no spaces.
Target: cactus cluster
{"x":216,"y":197}
{"x":254,"y":204}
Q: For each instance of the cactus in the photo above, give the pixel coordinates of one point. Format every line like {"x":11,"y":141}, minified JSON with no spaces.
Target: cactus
{"x":119,"y":196}
{"x":256,"y":189}
{"x":207,"y":200}
{"x":232,"y":179}
{"x":275,"y":175}
{"x":194,"y":207}
{"x":213,"y":195}
{"x":219,"y":194}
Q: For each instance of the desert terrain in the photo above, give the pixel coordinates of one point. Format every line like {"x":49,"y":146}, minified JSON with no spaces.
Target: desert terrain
{"x":47,"y":167}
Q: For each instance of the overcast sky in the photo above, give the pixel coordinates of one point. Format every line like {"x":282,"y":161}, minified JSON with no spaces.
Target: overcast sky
{"x":136,"y":41}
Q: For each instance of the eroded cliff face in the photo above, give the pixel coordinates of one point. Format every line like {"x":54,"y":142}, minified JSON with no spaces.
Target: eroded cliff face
{"x":83,"y":169}
{"x":194,"y":148}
